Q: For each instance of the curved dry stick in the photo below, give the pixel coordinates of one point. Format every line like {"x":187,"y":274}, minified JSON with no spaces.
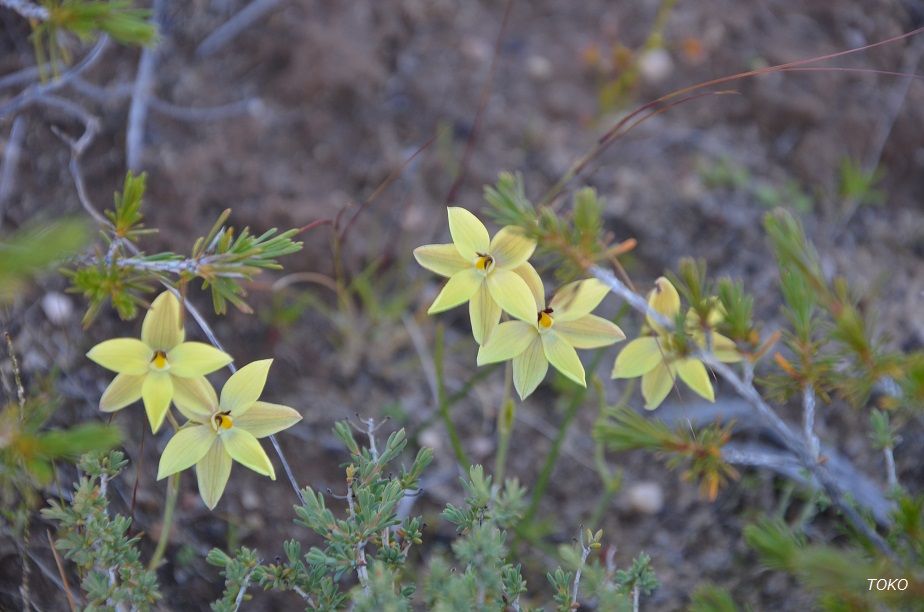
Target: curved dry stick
{"x":617,"y":130}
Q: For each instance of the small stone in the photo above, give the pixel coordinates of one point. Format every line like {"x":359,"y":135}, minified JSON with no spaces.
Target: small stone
{"x":646,"y":497}
{"x":249,"y":499}
{"x":539,"y":67}
{"x":655,"y":65}
{"x":431,"y":438}
{"x":57,"y":307}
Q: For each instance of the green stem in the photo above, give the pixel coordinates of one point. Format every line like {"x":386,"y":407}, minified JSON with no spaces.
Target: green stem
{"x":443,"y":400}
{"x":551,"y":459}
{"x":173,"y":492}
{"x":506,"y":415}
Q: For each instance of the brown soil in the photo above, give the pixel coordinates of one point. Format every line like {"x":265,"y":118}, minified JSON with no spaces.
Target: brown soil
{"x":347,"y":91}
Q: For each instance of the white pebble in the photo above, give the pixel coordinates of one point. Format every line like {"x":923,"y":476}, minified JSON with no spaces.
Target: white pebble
{"x":655,"y":65}
{"x":58,"y":307}
{"x":646,"y":497}
{"x":539,"y":67}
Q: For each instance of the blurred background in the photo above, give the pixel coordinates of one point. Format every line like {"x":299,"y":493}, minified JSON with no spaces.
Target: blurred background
{"x":297,"y":111}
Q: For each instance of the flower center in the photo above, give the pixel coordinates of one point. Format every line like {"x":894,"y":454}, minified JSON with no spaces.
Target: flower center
{"x":485,"y":263}
{"x":223,"y":420}
{"x":159,"y":361}
{"x":545,"y":318}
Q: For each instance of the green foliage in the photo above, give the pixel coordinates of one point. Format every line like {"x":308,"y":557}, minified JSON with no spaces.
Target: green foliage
{"x":28,"y":449}
{"x":87,"y":20}
{"x":574,"y":240}
{"x":224,"y":259}
{"x":789,"y":195}
{"x":107,"y":559}
{"x":126,"y":215}
{"x":839,"y":576}
{"x":738,"y":307}
{"x":832,"y":338}
{"x":238,"y":572}
{"x":109,"y":281}
{"x":369,"y":541}
{"x":710,"y":598}
{"x":32,"y":249}
{"x":859,"y":185}
{"x":699,"y":452}
{"x":723,"y":173}
{"x":882,"y":433}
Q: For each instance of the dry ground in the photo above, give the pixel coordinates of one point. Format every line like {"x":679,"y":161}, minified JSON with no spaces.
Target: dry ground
{"x":347,"y":91}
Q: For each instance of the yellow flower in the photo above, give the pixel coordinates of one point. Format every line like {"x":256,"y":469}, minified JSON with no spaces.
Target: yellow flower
{"x":489,"y":274}
{"x":220,"y":430}
{"x":552,"y":335}
{"x":158,"y":368}
{"x":654,"y":357}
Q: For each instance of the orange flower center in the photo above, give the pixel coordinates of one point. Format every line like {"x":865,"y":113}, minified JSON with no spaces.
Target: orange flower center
{"x":223,"y":420}
{"x":545,"y":318}
{"x":484,"y":262}
{"x":160,"y":360}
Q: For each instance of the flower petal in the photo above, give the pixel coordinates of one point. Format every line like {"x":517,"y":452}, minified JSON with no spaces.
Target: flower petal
{"x":563,"y":356}
{"x":665,"y":299}
{"x":123,"y":355}
{"x":468,"y":233}
{"x":461,"y":287}
{"x":244,"y":387}
{"x":157,"y":391}
{"x":187,"y":446}
{"x":529,"y":369}
{"x":590,"y":331}
{"x":532,"y":278}
{"x":443,"y":259}
{"x":638,"y":357}
{"x":190,"y":359}
{"x":656,"y":384}
{"x":212,"y":472}
{"x":512,"y":294}
{"x":725,"y":349}
{"x":693,"y":372}
{"x":510,"y":247}
{"x":484,"y":313}
{"x":124,"y":389}
{"x":509,"y":340}
{"x":577,"y":299}
{"x":162,"y":328}
{"x":246,"y":450}
{"x":195,"y":398}
{"x":264,"y":419}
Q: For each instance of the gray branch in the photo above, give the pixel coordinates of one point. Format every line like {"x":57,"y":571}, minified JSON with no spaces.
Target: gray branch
{"x":26,"y":9}
{"x":230,"y":29}
{"x":745,"y":388}
{"x":134,"y":137}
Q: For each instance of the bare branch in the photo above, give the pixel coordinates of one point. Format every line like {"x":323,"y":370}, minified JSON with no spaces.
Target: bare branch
{"x":134,"y":137}
{"x":27,"y":10}
{"x":243,"y":591}
{"x":30,"y":95}
{"x":585,"y":552}
{"x":746,"y":390}
{"x":10,"y":163}
{"x":808,"y":421}
{"x":230,"y":29}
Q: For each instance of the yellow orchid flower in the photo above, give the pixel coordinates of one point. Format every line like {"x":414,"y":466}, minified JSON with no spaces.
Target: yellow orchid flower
{"x":225,"y":429}
{"x":552,"y":335}
{"x":489,"y":274}
{"x":654,"y":357}
{"x":157,"y":368}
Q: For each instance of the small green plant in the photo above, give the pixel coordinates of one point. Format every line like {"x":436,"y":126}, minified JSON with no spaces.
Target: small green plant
{"x":859,"y":185}
{"x":107,"y":558}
